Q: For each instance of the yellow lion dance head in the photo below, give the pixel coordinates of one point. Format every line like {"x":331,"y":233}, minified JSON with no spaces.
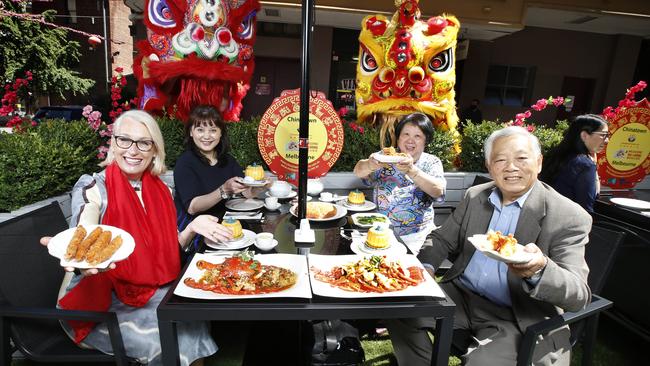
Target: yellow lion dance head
{"x":406,"y":65}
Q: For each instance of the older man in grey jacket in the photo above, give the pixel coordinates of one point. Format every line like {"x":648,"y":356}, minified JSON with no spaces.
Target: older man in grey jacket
{"x":496,"y":301}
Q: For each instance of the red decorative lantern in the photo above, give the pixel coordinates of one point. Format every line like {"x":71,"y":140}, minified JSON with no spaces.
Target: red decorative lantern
{"x":93,"y":41}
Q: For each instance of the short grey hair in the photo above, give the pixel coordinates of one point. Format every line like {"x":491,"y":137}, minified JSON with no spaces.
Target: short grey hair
{"x":157,"y":166}
{"x":507,"y":132}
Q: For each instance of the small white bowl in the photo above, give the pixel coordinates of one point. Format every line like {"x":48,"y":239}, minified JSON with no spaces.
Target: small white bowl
{"x":272,"y":208}
{"x":268,"y":247}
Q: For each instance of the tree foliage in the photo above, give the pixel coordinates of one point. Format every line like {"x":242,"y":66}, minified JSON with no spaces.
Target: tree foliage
{"x":27,"y":45}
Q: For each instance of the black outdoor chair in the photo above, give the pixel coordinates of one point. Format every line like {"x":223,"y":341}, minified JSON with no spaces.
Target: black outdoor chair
{"x":600,"y":255}
{"x":630,"y":308}
{"x":29,"y":283}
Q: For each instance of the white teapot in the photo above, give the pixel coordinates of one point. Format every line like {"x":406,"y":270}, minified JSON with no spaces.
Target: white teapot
{"x":280,"y":189}
{"x":314,"y":187}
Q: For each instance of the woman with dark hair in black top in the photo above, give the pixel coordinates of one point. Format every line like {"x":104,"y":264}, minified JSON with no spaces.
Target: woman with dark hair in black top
{"x":571,"y":166}
{"x":206,"y":175}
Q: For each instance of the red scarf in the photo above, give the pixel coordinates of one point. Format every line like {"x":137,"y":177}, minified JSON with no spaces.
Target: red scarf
{"x":155,"y":260}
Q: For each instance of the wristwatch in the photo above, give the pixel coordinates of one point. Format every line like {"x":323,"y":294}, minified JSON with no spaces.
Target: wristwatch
{"x":224,"y":195}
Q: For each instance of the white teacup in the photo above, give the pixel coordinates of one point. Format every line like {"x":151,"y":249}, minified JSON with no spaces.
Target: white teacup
{"x":271,"y":203}
{"x":265,"y":241}
{"x":326,"y":196}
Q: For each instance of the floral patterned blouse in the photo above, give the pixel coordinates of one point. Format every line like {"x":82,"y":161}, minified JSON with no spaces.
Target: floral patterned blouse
{"x":408,"y":207}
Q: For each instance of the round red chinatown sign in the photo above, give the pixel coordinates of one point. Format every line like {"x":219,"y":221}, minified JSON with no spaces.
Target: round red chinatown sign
{"x":626,"y":160}
{"x":277,"y":135}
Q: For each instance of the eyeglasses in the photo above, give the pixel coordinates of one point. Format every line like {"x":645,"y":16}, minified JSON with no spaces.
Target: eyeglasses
{"x":125,"y":143}
{"x":603,"y":135}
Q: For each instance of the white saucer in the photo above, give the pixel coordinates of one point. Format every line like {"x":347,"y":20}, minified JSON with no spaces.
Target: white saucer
{"x":243,"y":242}
{"x":255,"y":183}
{"x":244,"y":204}
{"x":290,"y":195}
{"x":359,"y":247}
{"x":366,"y":206}
{"x":275,"y":244}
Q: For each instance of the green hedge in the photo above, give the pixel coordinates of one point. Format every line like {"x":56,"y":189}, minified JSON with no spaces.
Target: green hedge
{"x":243,"y":142}
{"x":47,"y":159}
{"x":173,"y":133}
{"x":76,"y":134}
{"x":471,"y":156}
{"x":33,"y":168}
{"x":357,"y":145}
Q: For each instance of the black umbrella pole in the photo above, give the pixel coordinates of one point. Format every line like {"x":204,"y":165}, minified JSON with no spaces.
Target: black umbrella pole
{"x":303,"y":131}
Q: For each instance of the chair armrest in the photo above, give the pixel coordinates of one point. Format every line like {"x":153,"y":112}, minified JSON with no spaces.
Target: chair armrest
{"x":527,"y":346}
{"x":110,"y":318}
{"x":444,"y":207}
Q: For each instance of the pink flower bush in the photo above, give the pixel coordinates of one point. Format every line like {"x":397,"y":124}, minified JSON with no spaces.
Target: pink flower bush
{"x":347,"y":116}
{"x":609,"y":113}
{"x":105,"y":131}
{"x":541,"y":104}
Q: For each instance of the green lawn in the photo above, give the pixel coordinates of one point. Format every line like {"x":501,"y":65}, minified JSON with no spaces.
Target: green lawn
{"x":616,"y":347}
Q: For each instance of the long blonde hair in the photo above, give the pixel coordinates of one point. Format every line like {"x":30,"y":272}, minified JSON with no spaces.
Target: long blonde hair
{"x":157,"y":166}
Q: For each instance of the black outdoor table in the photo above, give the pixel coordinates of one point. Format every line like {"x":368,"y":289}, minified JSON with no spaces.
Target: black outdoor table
{"x":282,"y":224}
{"x":626,"y":215}
{"x":630,"y":303}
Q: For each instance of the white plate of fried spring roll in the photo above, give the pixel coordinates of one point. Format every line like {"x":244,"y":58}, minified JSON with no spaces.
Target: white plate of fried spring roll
{"x":91,"y":246}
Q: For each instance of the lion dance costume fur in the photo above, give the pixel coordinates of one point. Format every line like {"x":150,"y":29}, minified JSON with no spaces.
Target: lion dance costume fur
{"x":196,"y":52}
{"x":406,"y":65}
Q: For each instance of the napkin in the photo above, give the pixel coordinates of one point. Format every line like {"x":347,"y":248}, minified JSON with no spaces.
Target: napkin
{"x":645,"y":213}
{"x":243,"y":215}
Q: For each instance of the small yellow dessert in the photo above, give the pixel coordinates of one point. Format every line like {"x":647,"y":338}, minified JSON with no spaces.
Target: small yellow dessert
{"x":378,"y":238}
{"x":254,"y":171}
{"x":356,"y":197}
{"x":235,"y":226}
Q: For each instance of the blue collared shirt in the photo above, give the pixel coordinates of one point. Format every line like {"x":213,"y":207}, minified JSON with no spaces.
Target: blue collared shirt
{"x":486,"y":276}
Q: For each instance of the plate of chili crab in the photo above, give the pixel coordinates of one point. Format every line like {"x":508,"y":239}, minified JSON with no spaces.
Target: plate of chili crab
{"x":245,"y":275}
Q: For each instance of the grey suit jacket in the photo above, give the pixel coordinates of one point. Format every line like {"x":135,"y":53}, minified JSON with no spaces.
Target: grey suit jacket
{"x":557,"y":225}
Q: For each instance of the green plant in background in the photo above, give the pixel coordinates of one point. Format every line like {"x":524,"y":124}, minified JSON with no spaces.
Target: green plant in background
{"x":33,"y":168}
{"x":243,"y":142}
{"x":76,"y":134}
{"x":442,"y":146}
{"x":173,"y":132}
{"x":471,"y":156}
{"x":359,"y":142}
{"x":549,"y":137}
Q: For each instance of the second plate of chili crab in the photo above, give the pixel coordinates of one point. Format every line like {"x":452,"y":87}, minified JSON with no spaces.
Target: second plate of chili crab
{"x":358,"y":276}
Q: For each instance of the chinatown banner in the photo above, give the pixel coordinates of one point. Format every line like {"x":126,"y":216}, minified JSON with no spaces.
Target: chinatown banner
{"x":626,"y":161}
{"x":277,"y":135}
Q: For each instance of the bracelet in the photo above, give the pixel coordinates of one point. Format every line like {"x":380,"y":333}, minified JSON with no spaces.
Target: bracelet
{"x":416,"y":174}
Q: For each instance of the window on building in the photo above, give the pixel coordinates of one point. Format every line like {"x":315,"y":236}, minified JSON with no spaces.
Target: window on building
{"x":509,"y":85}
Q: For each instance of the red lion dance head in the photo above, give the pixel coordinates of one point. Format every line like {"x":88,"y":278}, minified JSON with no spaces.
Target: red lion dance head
{"x":196,"y":52}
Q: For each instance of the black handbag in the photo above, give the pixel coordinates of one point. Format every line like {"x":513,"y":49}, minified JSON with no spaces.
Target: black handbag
{"x":336,"y":343}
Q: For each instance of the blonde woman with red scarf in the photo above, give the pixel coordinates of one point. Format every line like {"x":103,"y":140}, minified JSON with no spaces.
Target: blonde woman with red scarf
{"x":129,"y":194}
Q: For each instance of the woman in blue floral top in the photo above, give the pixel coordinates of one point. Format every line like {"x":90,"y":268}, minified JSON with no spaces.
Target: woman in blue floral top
{"x":405,"y":191}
